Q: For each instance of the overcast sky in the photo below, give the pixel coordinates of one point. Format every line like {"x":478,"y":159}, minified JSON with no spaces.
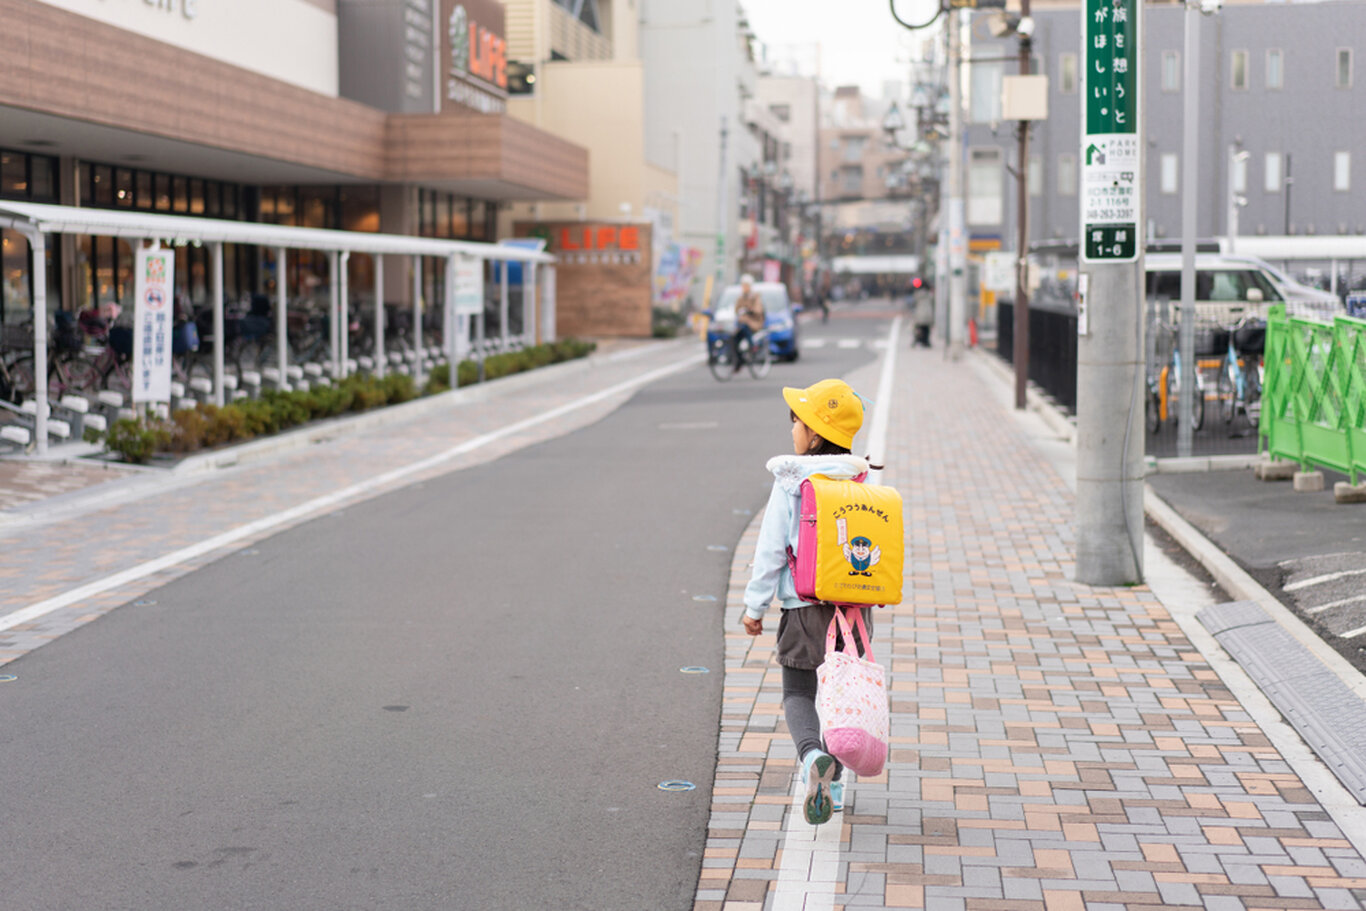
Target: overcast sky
{"x":860,"y":42}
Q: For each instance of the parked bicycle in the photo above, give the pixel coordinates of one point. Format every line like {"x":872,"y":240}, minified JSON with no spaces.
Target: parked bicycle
{"x":1164,"y":387}
{"x":1240,"y":371}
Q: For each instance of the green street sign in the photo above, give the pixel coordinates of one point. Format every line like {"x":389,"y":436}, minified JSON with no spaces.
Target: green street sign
{"x":1112,"y":66}
{"x":1110,"y":141}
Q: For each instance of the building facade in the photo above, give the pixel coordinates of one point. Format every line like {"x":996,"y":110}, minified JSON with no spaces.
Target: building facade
{"x":1277,"y":83}
{"x":372,"y":115}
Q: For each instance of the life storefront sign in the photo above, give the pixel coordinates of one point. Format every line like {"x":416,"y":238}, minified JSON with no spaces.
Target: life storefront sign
{"x":1110,"y":135}
{"x":153,"y":309}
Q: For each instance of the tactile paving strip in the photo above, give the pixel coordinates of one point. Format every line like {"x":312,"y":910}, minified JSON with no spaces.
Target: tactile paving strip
{"x":1326,"y":713}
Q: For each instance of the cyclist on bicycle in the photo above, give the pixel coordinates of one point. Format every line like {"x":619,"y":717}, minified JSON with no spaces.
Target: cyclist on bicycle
{"x":749,"y":317}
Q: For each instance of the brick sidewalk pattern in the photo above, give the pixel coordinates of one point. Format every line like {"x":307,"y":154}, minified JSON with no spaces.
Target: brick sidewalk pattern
{"x":1055,"y":746}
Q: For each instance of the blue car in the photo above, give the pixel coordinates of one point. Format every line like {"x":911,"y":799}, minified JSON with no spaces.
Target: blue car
{"x":780,"y":318}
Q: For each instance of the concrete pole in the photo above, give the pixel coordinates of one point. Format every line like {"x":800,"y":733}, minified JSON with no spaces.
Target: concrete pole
{"x":344,"y":319}
{"x":451,"y":324}
{"x":219,"y":341}
{"x":281,"y":317}
{"x":1110,"y":466}
{"x":503,"y":305}
{"x":334,"y":312}
{"x":956,"y":330}
{"x":380,"y":354}
{"x":1233,"y":162}
{"x":37,"y":244}
{"x":1020,"y":347}
{"x":531,"y":323}
{"x":1190,"y":172}
{"x":418,"y":350}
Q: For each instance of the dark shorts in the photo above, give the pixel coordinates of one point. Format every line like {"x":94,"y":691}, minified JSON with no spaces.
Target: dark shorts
{"x":801,"y":635}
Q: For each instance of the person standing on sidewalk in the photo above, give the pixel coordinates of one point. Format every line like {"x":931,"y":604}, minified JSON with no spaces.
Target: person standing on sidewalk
{"x":825,"y":418}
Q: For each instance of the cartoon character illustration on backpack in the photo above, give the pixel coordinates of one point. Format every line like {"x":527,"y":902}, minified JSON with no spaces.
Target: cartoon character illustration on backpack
{"x":860,"y":552}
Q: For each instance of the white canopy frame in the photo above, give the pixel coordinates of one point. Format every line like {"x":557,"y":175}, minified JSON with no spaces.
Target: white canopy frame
{"x":37,"y":220}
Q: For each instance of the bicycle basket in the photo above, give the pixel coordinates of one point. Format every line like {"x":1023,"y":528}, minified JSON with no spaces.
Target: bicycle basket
{"x":121,"y":340}
{"x":20,"y":336}
{"x":1250,"y":338}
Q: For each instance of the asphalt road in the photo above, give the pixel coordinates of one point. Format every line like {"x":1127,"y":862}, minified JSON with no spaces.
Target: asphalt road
{"x":462,"y":694}
{"x":1303,"y":547}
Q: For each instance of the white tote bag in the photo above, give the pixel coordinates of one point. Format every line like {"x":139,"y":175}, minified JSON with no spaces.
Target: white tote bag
{"x":851,"y":699}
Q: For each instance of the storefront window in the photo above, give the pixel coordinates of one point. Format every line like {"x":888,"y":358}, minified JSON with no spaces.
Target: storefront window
{"x":124,"y":190}
{"x":212,"y":198}
{"x":196,"y":197}
{"x":163,"y":192}
{"x":42,"y":178}
{"x":230,"y":205}
{"x":360,"y":209}
{"x":13,"y":179}
{"x":14,"y":295}
{"x":460,"y":218}
{"x":180,"y":194}
{"x":142,"y":186}
{"x":102,"y":185}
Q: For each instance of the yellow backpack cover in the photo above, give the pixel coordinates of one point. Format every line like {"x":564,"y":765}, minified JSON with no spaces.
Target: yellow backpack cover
{"x":850,"y":544}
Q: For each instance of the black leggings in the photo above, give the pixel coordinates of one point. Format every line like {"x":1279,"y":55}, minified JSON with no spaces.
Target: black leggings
{"x":799,"y":706}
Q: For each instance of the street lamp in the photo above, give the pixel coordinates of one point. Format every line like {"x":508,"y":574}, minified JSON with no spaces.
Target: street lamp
{"x":1236,"y":200}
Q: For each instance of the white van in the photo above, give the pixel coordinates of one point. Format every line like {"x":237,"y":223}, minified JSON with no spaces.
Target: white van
{"x":1230,"y":286}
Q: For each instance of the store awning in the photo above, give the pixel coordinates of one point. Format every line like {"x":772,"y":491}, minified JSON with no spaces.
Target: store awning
{"x":49,"y":219}
{"x":876,"y":265}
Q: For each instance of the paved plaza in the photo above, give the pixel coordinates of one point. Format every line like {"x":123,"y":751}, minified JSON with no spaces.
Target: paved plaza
{"x":1054,"y":746}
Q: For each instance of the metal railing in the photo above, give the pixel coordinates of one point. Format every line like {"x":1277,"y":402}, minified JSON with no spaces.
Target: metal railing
{"x":1052,"y":349}
{"x":1314,"y":398}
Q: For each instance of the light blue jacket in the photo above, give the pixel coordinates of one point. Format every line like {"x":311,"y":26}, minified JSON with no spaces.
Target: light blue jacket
{"x":771,"y":576}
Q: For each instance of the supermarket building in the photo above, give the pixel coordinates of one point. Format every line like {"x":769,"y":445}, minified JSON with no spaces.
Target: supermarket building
{"x":367,"y":115}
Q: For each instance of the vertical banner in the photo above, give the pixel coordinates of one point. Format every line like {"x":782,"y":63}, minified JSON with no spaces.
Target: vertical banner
{"x":153,"y":292}
{"x":468,"y":285}
{"x":1110,"y":110}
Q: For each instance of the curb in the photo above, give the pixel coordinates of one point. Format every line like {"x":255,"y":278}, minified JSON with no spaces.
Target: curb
{"x":256,"y":450}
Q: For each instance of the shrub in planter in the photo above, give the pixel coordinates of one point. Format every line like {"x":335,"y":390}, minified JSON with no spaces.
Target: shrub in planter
{"x":189,"y":428}
{"x":398,"y":388}
{"x":136,"y":440}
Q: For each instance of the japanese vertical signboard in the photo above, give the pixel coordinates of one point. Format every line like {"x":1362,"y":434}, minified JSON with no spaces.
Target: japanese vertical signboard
{"x":153,"y":291}
{"x":1110,"y":138}
{"x":468,"y":286}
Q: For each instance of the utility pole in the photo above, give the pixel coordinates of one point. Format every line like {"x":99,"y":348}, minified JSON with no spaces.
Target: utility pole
{"x":956,"y":327}
{"x":1190,"y":167}
{"x":721,"y":215}
{"x":1110,"y":469}
{"x":1020,"y":347}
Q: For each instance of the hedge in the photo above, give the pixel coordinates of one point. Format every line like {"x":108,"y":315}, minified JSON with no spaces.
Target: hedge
{"x":207,"y":426}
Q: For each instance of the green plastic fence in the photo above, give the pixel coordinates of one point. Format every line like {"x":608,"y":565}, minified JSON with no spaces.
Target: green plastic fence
{"x":1314,"y":392}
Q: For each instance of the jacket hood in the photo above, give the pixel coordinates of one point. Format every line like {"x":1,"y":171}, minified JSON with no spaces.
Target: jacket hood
{"x":791,"y":470}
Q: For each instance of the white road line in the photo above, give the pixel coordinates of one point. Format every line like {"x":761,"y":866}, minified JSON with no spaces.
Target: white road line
{"x":814,"y":343}
{"x":1359,"y":599}
{"x":851,"y":342}
{"x":1352,"y":634}
{"x":1319,"y":580}
{"x":320,"y":504}
{"x":811,"y":854}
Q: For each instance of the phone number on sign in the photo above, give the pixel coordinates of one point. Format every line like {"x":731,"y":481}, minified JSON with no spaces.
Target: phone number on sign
{"x":1108,"y":215}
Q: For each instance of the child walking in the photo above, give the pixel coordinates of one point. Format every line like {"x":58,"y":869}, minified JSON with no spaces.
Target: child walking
{"x":825,"y":418}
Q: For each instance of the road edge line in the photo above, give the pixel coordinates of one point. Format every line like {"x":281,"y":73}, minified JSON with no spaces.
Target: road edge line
{"x":319,"y":504}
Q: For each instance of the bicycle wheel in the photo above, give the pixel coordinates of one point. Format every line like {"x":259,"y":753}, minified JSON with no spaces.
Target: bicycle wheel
{"x":1152,"y":414}
{"x":719,"y":360}
{"x":119,"y":377}
{"x":76,"y":374}
{"x":1198,"y":404}
{"x":1253,"y":406}
{"x":760,"y":357}
{"x":21,"y":382}
{"x":1227,"y":392}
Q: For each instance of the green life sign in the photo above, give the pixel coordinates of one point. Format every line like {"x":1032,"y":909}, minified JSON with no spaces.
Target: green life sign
{"x":1110,"y":135}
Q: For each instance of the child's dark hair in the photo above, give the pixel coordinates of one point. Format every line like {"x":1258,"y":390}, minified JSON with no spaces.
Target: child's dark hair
{"x":825,"y":447}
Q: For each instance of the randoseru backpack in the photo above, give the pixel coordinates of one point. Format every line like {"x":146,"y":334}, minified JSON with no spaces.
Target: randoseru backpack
{"x":850,"y":543}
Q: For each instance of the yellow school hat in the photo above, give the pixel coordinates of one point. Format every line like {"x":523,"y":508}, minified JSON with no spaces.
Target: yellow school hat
{"x":830,"y":408}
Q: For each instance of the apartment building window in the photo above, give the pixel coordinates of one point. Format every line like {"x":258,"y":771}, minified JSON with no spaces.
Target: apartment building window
{"x":1034,"y":175}
{"x":853,"y":148}
{"x":1067,"y":175}
{"x":1067,"y":74}
{"x":986,"y":186}
{"x":851,"y":180}
{"x":1170,"y":174}
{"x":985,"y":106}
{"x":1275,"y":69}
{"x":1171,"y":71}
{"x":1238,"y":70}
{"x":1271,"y":181}
{"x":1344,"y":68}
{"x":1342,"y":171}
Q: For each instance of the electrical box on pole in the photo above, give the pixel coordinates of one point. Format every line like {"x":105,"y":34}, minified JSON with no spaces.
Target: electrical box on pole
{"x":1110,"y":362}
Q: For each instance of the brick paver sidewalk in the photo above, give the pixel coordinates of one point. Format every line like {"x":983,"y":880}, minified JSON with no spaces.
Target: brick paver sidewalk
{"x":1055,"y":746}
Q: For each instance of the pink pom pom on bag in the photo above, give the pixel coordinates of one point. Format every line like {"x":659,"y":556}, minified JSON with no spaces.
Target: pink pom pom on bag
{"x":851,"y":699}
